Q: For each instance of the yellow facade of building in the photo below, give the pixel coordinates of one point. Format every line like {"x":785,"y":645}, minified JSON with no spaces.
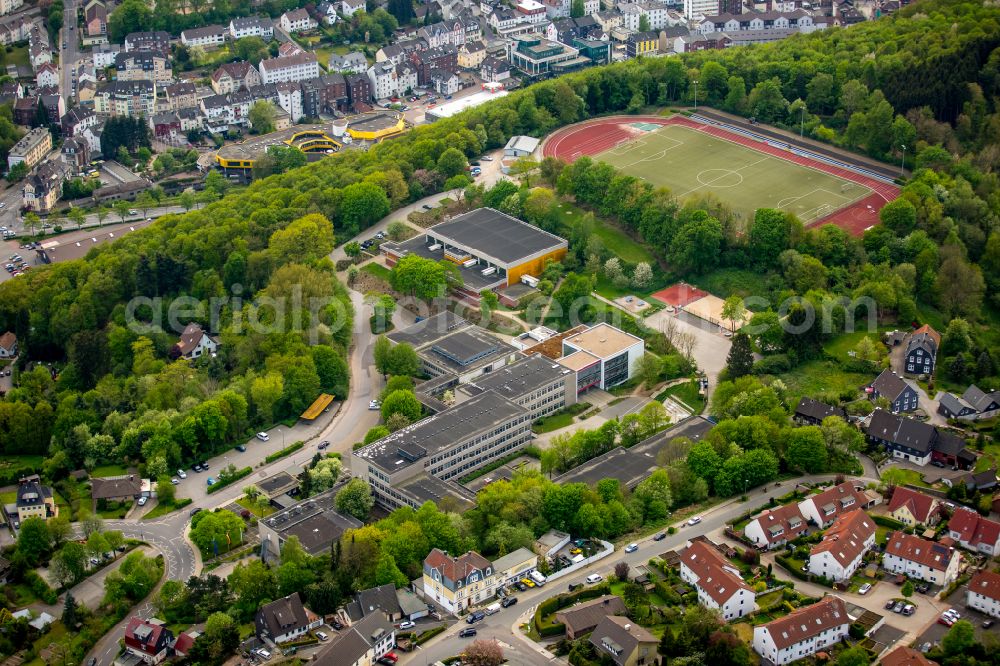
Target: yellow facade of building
{"x":534,"y":267}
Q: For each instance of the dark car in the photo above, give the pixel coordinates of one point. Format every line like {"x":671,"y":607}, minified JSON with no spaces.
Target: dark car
{"x":475,"y":617}
{"x":508,"y":602}
{"x":660,"y":537}
{"x":575,"y":586}
{"x":889,"y":604}
{"x":194,"y":511}
{"x":196,"y":467}
{"x":204,"y":465}
{"x":241,"y":448}
{"x":336,"y":625}
{"x":937,"y":463}
{"x":323,"y":445}
{"x":520,"y":586}
{"x":468,"y":632}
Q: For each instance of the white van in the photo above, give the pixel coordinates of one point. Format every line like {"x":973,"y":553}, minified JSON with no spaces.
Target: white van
{"x":492,"y":609}
{"x":263,"y":654}
{"x":594,"y":578}
{"x":538,"y":578}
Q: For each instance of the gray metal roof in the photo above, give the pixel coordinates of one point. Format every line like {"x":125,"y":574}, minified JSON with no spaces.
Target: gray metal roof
{"x":485,"y":231}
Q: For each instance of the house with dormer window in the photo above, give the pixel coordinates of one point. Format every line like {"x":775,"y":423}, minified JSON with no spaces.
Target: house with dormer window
{"x":802,"y":633}
{"x":457,"y":583}
{"x":843,"y":547}
{"x":919,"y":558}
{"x":823,"y":508}
{"x":921,"y":351}
{"x":775,"y":527}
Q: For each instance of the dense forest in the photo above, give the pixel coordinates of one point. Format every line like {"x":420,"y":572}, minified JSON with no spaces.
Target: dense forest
{"x":117,"y":393}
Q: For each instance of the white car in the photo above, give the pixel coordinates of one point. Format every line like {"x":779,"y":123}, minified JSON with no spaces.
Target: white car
{"x":142,"y":501}
{"x":695,"y":520}
{"x":322,"y":635}
{"x":864,"y":588}
{"x":631,"y":548}
{"x":133,"y":212}
{"x":374,"y":404}
{"x":181,"y":473}
{"x":594,"y":578}
{"x":406,"y":624}
{"x":175,"y":480}
{"x":263,"y":436}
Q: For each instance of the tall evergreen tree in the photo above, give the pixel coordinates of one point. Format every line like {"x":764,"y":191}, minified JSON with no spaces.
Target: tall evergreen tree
{"x":740,"y":360}
{"x":71,"y":615}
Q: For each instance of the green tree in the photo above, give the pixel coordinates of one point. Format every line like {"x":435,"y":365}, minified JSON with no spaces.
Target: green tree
{"x":452,"y":163}
{"x":165,"y":491}
{"x":770,"y":235}
{"x":766,"y":102}
{"x":644,"y":23}
{"x":361,"y":205}
{"x":899,"y":215}
{"x":855,"y":656}
{"x":577,"y":9}
{"x":734,"y":310}
{"x":907,"y":590}
{"x":423,"y":278}
{"x":355,"y":499}
{"x":697,"y":245}
{"x":740,"y":360}
{"x":401,"y":402}
{"x":77,"y":216}
{"x":261,"y":116}
{"x":488,"y":303}
{"x":71,"y":612}
{"x":33,"y":541}
{"x":959,"y":638}
{"x":806,"y":449}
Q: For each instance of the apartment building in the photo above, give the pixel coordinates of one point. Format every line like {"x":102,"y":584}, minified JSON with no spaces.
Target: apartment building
{"x":803,"y":632}
{"x":30,"y":148}
{"x":843,"y":547}
{"x":143,"y":64}
{"x":252,"y":26}
{"x":983,"y":593}
{"x":126,"y":98}
{"x":209,"y":36}
{"x":462,"y":582}
{"x":919,"y":558}
{"x":716,"y":580}
{"x":297,"y":20}
{"x":297,"y":67}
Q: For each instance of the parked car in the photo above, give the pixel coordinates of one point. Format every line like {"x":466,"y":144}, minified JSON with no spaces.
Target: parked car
{"x":263,"y":436}
{"x":204,"y":465}
{"x":468,"y":632}
{"x":631,"y":548}
{"x":594,"y":578}
{"x":142,"y":501}
{"x":987,"y":624}
{"x":475,"y":617}
{"x":864,"y":588}
{"x":241,"y":448}
{"x":323,"y":445}
{"x":175,"y":481}
{"x":194,"y":511}
{"x":196,"y":467}
{"x":391,"y":656}
{"x":575,"y":586}
{"x":660,"y":537}
{"x":510,"y":601}
{"x":374,"y":405}
{"x":889,"y":604}
{"x":695,"y":520}
{"x":209,"y":481}
{"x":909,"y":609}
{"x":407,"y":624}
{"x":322,"y":635}
{"x":520,"y":586}
{"x":898,"y":607}
{"x":923,"y":588}
{"x":181,"y":473}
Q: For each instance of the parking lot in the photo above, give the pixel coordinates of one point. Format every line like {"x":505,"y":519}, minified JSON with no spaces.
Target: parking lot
{"x":936,"y":631}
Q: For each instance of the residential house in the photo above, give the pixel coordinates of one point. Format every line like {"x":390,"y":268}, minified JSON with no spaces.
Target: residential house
{"x":775,"y":527}
{"x":143,"y":64}
{"x":906,"y":656}
{"x":34,"y":500}
{"x":383,"y":78}
{"x":30,"y":148}
{"x":363,"y":643}
{"x":400,"y":51}
{"x":209,"y":36}
{"x":984,"y":480}
{"x":582,"y":618}
{"x":104,"y":55}
{"x":10,"y":6}
{"x":921,"y":559}
{"x":974,"y":532}
{"x":974,"y":404}
{"x":350,"y":7}
{"x":149,"y":640}
{"x":234,"y":76}
{"x":167,"y":126}
{"x":913,"y":508}
{"x":328,"y":12}
{"x":494,"y":70}
{"x":444,"y":33}
{"x":803,"y":632}
{"x":406,"y":78}
{"x":297,"y":20}
{"x":324,"y":94}
{"x":381,"y":599}
{"x":285,"y":619}
{"x":983,"y":593}
{"x":823,"y":508}
{"x":359,"y":91}
{"x":642,"y":44}
{"x":76,"y":152}
{"x":252,"y":26}
{"x":458,"y":583}
{"x":717,"y":581}
{"x":195,"y":342}
{"x":290,"y":68}
{"x":95,"y":17}
{"x":442,"y":57}
{"x":349,"y":63}
{"x":843,"y":547}
{"x":812,"y":412}
{"x":182,"y":95}
{"x":47,"y":75}
{"x":916,"y":441}
{"x":901,"y":395}
{"x":158,"y":41}
{"x":445,"y":82}
{"x":471,"y":55}
{"x":921,"y":351}
{"x":624,"y":642}
{"x":123,"y":488}
{"x":43,"y":187}
{"x":8,"y":345}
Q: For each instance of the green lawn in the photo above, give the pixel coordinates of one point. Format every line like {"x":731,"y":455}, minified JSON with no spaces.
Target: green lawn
{"x":102,"y":471}
{"x":17,"y":55}
{"x":615,"y":239}
{"x":378,"y":270}
{"x":561,"y":419}
{"x":163,"y":509}
{"x":687,"y":393}
{"x":8,"y":497}
{"x":739,"y":175}
{"x":254,"y":508}
{"x":840,"y":345}
{"x":910,"y":476}
{"x":821,"y":377}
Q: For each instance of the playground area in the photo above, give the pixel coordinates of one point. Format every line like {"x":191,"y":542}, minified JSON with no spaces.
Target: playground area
{"x":747,"y":173}
{"x":693,"y":300}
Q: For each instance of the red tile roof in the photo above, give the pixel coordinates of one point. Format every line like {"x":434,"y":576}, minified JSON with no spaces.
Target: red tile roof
{"x":919,"y":504}
{"x":973,"y":529}
{"x":843,"y":497}
{"x":8,"y":340}
{"x":715,"y":573}
{"x":149,"y":643}
{"x":934,"y":335}
{"x":785,"y":517}
{"x":918,"y":550}
{"x":456,"y":568}
{"x":987,"y":584}
{"x":846,"y":538}
{"x":827,"y":613}
{"x":906,"y":656}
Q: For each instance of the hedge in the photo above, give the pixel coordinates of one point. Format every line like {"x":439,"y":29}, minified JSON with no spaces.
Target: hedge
{"x":888,"y":522}
{"x":429,"y":634}
{"x":40,"y":588}
{"x":553,"y":604}
{"x":222,"y":483}
{"x":284,"y":452}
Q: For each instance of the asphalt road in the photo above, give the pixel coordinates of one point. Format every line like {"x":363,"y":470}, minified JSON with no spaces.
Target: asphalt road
{"x":68,"y":56}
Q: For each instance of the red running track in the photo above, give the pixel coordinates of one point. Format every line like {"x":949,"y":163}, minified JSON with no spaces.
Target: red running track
{"x":596,"y":136}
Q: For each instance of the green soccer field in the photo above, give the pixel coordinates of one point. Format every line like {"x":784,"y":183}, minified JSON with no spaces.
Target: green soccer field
{"x":690,"y":162}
